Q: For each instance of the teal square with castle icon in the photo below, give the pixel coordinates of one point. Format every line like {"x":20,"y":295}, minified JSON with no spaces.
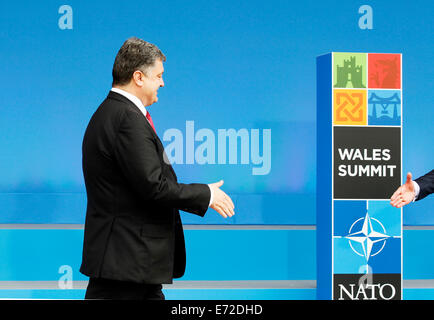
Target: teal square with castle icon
{"x":349,"y":70}
{"x":384,"y":107}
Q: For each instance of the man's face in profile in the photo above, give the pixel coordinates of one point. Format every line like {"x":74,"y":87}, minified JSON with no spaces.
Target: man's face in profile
{"x":152,"y":81}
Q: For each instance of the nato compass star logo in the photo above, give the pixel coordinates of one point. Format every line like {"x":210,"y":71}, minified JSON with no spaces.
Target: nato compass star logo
{"x":369,"y":235}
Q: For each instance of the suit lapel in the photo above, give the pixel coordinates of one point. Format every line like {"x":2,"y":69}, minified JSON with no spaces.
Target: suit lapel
{"x":119,"y":97}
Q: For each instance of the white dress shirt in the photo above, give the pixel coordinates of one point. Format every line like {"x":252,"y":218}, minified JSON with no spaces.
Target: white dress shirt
{"x":416,"y":190}
{"x":132,"y":98}
{"x":138,"y":103}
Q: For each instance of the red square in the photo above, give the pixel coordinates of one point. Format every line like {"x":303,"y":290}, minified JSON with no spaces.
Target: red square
{"x":384,"y":71}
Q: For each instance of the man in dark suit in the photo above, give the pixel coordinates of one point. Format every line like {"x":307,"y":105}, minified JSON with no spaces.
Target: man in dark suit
{"x":133,"y":235}
{"x":413,"y":190}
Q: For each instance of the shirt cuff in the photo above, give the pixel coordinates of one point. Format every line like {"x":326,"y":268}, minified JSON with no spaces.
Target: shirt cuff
{"x":212,"y":196}
{"x":416,"y":190}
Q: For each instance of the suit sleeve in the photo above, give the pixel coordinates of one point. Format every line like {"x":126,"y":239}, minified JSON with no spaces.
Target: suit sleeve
{"x":136,"y":152}
{"x":426,"y":184}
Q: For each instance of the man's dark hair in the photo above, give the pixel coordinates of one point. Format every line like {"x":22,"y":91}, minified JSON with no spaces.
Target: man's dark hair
{"x":135,"y":54}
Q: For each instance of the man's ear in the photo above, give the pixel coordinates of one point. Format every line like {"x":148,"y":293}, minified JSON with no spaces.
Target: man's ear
{"x":138,"y":78}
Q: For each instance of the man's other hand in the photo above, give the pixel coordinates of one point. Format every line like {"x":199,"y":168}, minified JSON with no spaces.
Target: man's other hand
{"x":404,"y":194}
{"x":221,"y":202}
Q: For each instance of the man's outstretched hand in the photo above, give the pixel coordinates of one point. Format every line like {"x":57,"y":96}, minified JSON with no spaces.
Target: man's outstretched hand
{"x":221,"y":202}
{"x":404,"y":194}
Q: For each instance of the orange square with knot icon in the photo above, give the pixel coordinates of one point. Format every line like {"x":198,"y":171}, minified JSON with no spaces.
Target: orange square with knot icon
{"x":350,"y":107}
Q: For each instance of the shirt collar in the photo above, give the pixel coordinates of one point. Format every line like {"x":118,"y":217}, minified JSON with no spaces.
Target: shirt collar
{"x":137,"y":102}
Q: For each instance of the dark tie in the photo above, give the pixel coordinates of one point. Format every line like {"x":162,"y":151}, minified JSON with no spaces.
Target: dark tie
{"x":148,"y":116}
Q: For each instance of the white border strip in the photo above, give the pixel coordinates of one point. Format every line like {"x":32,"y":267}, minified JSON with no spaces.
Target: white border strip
{"x":186,"y":227}
{"x":238,"y":284}
{"x":183,"y":285}
{"x":194,"y":226}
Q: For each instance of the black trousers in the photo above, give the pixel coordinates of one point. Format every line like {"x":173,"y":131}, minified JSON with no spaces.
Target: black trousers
{"x":99,"y":288}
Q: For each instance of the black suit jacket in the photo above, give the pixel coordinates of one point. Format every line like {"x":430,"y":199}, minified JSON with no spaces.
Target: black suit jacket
{"x":426,"y":184}
{"x":133,"y":231}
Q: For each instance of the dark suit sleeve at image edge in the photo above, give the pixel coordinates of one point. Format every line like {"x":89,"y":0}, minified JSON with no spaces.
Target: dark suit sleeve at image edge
{"x":136,"y":152}
{"x":426,"y":184}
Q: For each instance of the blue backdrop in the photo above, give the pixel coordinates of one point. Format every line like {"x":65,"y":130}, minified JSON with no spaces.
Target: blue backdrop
{"x":247,"y":65}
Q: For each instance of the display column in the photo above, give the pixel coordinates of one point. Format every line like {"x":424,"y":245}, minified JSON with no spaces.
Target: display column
{"x":359,"y":139}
